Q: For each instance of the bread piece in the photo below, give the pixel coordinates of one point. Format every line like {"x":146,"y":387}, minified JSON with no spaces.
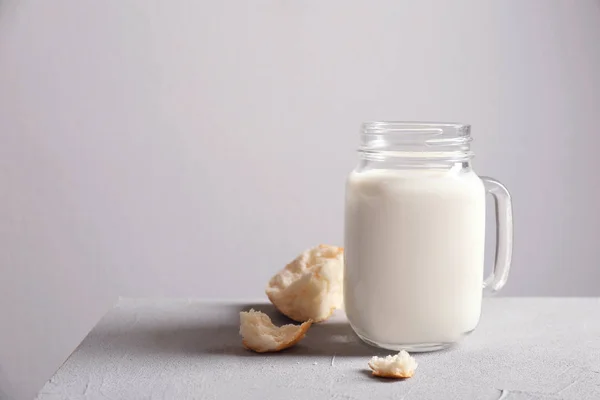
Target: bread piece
{"x":260,"y":335}
{"x":402,"y":365}
{"x":311,"y":286}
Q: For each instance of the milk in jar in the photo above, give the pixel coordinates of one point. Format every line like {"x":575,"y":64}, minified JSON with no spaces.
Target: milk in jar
{"x":414,"y":237}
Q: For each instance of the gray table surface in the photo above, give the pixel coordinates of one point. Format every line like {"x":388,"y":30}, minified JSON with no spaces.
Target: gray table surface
{"x":524,"y":348}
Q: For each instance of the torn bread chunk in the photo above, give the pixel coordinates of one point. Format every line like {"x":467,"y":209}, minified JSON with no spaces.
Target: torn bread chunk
{"x":402,"y":365}
{"x":260,"y":335}
{"x":311,"y":286}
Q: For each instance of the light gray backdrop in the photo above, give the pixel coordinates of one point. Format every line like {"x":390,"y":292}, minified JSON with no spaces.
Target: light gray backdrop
{"x":187,"y":148}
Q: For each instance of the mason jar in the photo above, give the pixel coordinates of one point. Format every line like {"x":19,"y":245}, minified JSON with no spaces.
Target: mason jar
{"x":415,"y":236}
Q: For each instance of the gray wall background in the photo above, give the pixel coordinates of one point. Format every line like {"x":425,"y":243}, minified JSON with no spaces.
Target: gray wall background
{"x":154,"y":148}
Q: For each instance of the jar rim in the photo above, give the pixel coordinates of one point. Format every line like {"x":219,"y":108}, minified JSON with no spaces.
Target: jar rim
{"x":379,"y":127}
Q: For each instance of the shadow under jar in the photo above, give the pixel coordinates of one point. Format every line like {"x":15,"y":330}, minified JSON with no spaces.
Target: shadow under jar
{"x":415,"y":236}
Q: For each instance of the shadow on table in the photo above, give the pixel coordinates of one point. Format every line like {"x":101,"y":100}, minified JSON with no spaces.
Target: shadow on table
{"x":216,"y":335}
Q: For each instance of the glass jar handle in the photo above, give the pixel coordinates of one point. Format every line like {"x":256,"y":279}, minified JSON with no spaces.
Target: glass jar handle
{"x":504,"y":235}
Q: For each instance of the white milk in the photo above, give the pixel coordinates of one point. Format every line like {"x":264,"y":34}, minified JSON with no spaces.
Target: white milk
{"x":414,"y":247}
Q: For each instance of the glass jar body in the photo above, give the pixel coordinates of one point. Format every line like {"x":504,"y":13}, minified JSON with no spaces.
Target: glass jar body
{"x":414,"y":253}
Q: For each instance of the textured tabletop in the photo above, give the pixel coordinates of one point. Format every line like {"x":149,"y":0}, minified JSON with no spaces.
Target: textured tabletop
{"x":186,"y":349}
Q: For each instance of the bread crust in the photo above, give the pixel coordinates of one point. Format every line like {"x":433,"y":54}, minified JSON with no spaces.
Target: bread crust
{"x":391,"y":375}
{"x":298,"y":336}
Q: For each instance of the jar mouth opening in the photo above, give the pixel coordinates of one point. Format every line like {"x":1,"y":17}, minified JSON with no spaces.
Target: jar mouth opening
{"x":423,"y":140}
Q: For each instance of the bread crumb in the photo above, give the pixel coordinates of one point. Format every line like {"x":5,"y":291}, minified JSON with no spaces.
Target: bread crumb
{"x":260,"y":335}
{"x":311,"y":286}
{"x":402,"y":365}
